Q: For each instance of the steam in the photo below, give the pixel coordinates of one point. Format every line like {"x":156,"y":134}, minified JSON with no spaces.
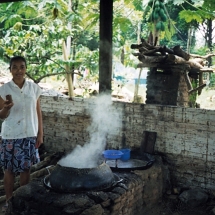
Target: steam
{"x":106,"y":121}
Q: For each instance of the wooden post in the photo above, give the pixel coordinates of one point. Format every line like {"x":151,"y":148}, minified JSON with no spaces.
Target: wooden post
{"x":68,"y":76}
{"x":105,"y":46}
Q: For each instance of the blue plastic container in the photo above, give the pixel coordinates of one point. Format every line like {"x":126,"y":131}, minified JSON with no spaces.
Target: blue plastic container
{"x":112,"y":154}
{"x":126,"y":154}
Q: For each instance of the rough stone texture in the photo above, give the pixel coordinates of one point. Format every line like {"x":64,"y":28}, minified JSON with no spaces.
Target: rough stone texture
{"x":129,"y":197}
{"x":185,"y":136}
{"x":162,"y":87}
{"x":168,"y":87}
{"x":194,"y":197}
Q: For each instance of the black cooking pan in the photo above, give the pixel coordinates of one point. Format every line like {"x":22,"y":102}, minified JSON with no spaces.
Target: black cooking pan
{"x":142,"y":162}
{"x":69,"y":179}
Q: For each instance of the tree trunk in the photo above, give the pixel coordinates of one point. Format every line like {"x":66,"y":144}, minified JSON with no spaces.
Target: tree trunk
{"x":189,"y":40}
{"x":209,"y":37}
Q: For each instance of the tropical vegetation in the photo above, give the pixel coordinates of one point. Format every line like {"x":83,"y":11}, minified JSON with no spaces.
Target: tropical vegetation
{"x":61,"y":37}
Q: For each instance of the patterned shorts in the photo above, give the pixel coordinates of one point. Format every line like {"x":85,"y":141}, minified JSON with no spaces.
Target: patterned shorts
{"x":18,"y":155}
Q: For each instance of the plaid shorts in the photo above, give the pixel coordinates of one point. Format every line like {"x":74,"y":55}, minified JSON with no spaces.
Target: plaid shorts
{"x":18,"y":155}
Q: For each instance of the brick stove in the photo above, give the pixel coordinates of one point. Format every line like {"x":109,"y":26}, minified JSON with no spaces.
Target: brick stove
{"x":139,"y":190}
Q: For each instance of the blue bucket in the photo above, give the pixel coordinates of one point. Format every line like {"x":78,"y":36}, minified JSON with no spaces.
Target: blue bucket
{"x":126,"y":154}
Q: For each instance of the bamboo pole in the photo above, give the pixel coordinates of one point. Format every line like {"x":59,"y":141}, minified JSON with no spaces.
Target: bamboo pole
{"x":136,"y":98}
{"x":68,"y":76}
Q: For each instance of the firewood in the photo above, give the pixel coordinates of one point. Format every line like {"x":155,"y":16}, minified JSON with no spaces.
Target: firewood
{"x":200,"y":87}
{"x":204,"y":57}
{"x":49,"y":160}
{"x":178,"y":51}
{"x":199,"y":60}
{"x":164,"y":66}
{"x":207,"y":70}
{"x":147,"y":65}
{"x":195,"y":64}
{"x":176,"y":59}
{"x":151,"y":52}
{"x":151,"y":49}
{"x":151,"y":59}
{"x":159,"y":49}
{"x":146,"y":44}
{"x":43,"y":163}
{"x":143,"y":49}
{"x":167,"y":50}
{"x":136,"y":46}
{"x":187,"y":79}
{"x":200,"y":83}
{"x":42,"y":172}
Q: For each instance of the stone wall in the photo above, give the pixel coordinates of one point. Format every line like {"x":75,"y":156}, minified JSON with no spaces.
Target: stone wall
{"x":136,"y":194}
{"x":167,"y":87}
{"x":185,"y":136}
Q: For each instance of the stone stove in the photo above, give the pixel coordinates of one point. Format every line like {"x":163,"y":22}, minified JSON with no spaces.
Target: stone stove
{"x":139,"y":190}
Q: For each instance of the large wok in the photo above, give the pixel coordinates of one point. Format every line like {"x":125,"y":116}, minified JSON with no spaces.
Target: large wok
{"x":69,"y":179}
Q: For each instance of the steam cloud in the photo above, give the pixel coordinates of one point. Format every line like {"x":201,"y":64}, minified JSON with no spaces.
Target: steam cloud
{"x":106,"y":121}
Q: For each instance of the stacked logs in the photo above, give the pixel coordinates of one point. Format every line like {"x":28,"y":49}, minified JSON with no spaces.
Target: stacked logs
{"x":162,"y":57}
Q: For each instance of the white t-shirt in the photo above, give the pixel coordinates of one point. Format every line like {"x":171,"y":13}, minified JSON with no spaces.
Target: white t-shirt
{"x":22,"y":121}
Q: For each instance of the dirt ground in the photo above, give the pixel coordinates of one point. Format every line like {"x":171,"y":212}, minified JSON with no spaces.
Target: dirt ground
{"x":207,"y":99}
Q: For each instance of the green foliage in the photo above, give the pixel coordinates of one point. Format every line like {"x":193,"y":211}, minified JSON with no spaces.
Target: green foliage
{"x":212,"y":80}
{"x":189,"y":16}
{"x":28,"y":10}
{"x":34,"y":31}
{"x":12,"y":21}
{"x":201,"y":51}
{"x":157,"y":13}
{"x":138,"y":5}
{"x":158,"y":20}
{"x":37,"y":28}
{"x":193,"y":96}
{"x":178,"y":2}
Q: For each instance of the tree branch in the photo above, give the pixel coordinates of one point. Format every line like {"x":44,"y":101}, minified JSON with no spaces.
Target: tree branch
{"x":204,"y":57}
{"x":52,"y":74}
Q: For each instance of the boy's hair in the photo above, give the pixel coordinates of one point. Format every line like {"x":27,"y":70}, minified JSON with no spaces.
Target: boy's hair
{"x":15,"y":58}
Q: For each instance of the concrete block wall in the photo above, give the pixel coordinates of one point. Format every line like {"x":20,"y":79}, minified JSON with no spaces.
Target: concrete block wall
{"x":185,"y":136}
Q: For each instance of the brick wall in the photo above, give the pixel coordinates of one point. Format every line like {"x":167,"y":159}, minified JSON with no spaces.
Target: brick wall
{"x":185,"y":136}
